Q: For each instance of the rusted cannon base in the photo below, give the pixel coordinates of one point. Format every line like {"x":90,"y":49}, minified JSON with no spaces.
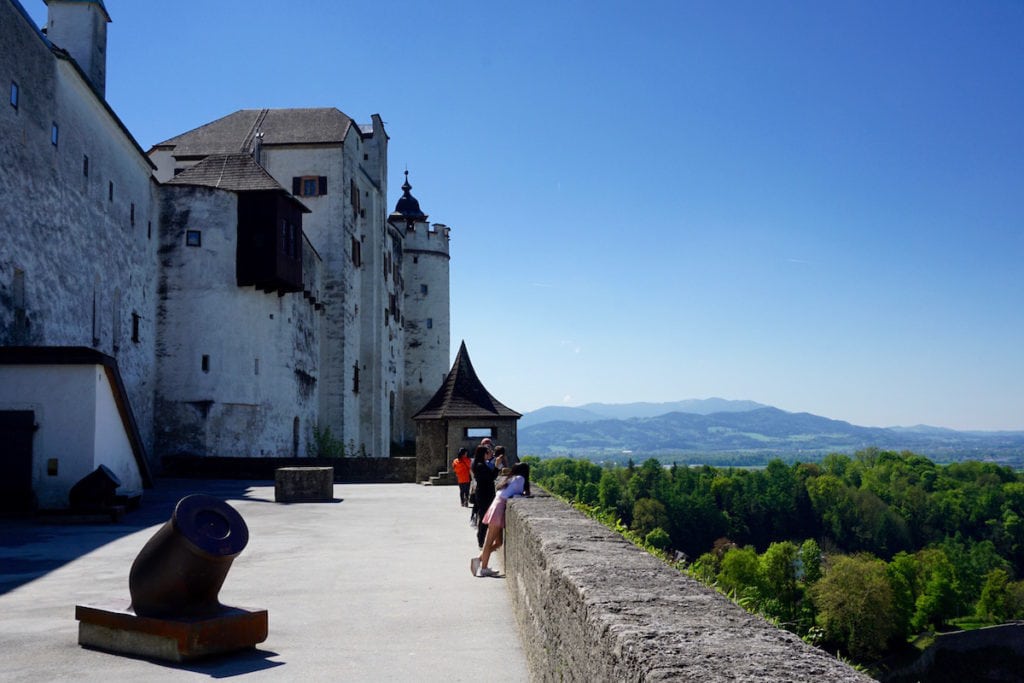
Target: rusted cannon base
{"x":122,"y":631}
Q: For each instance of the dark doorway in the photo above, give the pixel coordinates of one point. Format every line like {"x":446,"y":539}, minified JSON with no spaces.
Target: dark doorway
{"x":16,"y":429}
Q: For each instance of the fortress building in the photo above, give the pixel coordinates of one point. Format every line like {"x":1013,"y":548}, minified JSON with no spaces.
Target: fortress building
{"x":232,"y":289}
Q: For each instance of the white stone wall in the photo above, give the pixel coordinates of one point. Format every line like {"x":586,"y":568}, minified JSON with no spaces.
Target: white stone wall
{"x":73,"y":268}
{"x":79,"y":426}
{"x":81,"y":29}
{"x":330,"y":234}
{"x":262,"y":353}
{"x":428,"y":316}
{"x":81,"y":255}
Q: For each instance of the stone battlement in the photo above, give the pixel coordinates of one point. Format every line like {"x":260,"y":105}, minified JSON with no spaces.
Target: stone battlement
{"x":593,"y":607}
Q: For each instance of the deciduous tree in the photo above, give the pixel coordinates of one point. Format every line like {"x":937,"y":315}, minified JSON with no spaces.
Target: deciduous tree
{"x":855,"y":605}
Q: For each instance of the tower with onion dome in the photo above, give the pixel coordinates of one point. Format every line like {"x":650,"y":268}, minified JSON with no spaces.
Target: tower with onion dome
{"x":426,"y":310}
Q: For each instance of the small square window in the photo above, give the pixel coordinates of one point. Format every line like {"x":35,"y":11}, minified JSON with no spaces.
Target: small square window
{"x":14,"y":94}
{"x":309,"y":186}
{"x":423,"y":290}
{"x":430,"y":323}
{"x":54,"y":133}
{"x":206,"y":363}
{"x":85,"y":165}
{"x":193,"y":238}
{"x":110,"y":191}
{"x":135,"y":327}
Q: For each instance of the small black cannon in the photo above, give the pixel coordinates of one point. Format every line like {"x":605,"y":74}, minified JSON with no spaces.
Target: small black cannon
{"x":175,"y":614}
{"x":95,"y":491}
{"x":180,"y":570}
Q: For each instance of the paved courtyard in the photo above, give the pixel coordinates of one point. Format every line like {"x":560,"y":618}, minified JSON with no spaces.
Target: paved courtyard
{"x":372,"y":587}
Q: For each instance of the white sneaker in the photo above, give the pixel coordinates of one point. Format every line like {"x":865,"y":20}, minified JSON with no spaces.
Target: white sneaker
{"x":486,"y":571}
{"x":474,"y":566}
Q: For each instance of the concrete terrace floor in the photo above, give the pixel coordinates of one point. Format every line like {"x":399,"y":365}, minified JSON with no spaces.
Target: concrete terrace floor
{"x":374,"y":587}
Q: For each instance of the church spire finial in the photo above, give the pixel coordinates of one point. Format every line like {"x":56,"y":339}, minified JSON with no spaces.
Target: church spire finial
{"x":406,"y":186}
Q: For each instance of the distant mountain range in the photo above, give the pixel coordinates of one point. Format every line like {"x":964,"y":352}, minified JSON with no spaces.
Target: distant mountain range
{"x":738,"y":432}
{"x":623,"y":411}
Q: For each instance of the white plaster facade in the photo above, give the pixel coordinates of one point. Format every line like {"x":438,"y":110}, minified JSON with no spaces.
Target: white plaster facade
{"x":79,"y":427}
{"x":92,"y":255}
{"x":365,"y":391}
{"x":78,"y":262}
{"x":236,"y":365}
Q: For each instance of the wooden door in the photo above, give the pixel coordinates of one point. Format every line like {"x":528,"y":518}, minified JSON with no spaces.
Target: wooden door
{"x":16,"y":430}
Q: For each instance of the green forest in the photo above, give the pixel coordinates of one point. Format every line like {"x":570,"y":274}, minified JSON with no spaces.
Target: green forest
{"x":862,"y":555}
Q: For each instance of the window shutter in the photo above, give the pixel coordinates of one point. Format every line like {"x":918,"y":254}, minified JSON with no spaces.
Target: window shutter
{"x":323,"y":184}
{"x":296,"y":186}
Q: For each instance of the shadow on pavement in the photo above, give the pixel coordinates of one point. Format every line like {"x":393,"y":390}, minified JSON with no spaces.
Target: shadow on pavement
{"x":217,"y":666}
{"x":30,"y":549}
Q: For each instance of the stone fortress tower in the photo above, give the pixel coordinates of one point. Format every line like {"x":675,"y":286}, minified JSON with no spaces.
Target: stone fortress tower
{"x":427,"y":315}
{"x":81,"y":29}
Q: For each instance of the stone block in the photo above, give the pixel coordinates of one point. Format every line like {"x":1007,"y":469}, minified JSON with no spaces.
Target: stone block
{"x":303,"y":484}
{"x":121,"y":631}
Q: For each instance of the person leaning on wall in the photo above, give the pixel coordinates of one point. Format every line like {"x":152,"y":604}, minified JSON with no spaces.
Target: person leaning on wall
{"x":484,"y":474}
{"x":517,"y":484}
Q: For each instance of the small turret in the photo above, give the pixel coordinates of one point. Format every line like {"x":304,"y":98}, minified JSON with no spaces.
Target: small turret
{"x":80,"y":27}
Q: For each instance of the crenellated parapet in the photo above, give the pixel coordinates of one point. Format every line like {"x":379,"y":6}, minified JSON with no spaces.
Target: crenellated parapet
{"x":426,"y":237}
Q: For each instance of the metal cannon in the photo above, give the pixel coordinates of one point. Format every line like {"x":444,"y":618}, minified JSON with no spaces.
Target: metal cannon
{"x":180,"y":570}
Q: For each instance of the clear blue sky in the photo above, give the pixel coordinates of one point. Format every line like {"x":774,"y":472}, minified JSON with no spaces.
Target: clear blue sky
{"x":814,"y":205}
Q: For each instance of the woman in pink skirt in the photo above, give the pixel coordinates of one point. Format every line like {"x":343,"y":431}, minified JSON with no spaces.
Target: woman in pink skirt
{"x":517,"y":484}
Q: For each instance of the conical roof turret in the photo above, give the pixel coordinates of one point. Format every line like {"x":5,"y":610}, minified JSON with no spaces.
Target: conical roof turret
{"x":463,"y":395}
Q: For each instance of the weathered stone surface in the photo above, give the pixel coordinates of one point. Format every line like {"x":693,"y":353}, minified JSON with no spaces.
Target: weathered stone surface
{"x":591,"y":606}
{"x":304,"y":484}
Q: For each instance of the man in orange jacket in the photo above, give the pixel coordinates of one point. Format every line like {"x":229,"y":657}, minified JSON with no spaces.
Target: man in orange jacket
{"x":461,"y":466}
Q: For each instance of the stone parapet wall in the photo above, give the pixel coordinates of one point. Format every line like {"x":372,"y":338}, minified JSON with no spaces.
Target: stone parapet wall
{"x":593,"y":607}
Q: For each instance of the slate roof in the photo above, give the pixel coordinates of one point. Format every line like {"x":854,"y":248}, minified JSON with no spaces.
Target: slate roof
{"x":234,"y":172}
{"x":463,"y":395}
{"x":234,"y":132}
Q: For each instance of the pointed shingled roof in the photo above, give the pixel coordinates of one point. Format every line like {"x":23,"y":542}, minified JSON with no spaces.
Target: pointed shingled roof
{"x":233,"y":172}
{"x":463,"y":395}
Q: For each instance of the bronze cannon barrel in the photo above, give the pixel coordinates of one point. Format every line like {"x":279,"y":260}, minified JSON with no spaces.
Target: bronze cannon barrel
{"x":180,"y":570}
